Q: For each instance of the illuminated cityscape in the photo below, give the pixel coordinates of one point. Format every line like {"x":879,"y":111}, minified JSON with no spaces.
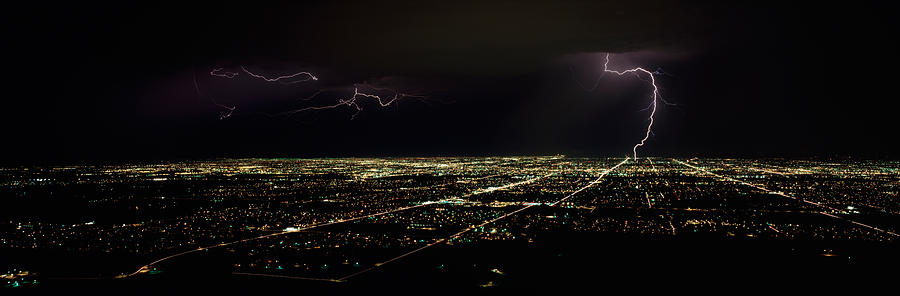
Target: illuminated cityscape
{"x":392,"y":147}
{"x":350,"y":220}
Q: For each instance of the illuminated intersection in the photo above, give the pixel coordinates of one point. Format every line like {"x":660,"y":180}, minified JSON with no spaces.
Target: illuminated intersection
{"x":495,"y":221}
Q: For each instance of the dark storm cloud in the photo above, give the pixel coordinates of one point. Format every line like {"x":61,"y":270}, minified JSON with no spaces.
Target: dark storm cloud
{"x":375,"y":36}
{"x":478,"y":37}
{"x":95,"y":81}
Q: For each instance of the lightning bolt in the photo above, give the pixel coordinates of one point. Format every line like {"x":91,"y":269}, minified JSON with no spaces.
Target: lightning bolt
{"x":353,"y":100}
{"x":228,"y":109}
{"x":285,"y":79}
{"x":383,"y":96}
{"x":655,"y":98}
{"x":222,"y":73}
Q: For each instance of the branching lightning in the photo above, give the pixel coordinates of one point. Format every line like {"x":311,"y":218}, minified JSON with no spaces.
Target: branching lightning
{"x":655,"y":97}
{"x":353,"y":102}
{"x":285,"y":79}
{"x":228,"y":109}
{"x":383,"y":96}
{"x":222,"y":73}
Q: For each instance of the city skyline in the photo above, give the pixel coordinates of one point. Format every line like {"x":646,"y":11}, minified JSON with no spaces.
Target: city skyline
{"x":421,"y":147}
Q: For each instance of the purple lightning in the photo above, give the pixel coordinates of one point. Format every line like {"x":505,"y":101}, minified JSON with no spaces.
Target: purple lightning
{"x":352,"y":100}
{"x":655,"y":95}
{"x":228,"y":109}
{"x":285,"y":79}
{"x":654,"y":101}
{"x":390,"y":96}
{"x":222,"y":73}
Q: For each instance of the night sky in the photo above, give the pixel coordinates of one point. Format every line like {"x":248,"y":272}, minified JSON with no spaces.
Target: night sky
{"x":104,"y":82}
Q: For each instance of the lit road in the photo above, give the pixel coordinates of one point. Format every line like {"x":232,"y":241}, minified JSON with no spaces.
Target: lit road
{"x":791,"y":197}
{"x":146,"y":268}
{"x":470,"y":228}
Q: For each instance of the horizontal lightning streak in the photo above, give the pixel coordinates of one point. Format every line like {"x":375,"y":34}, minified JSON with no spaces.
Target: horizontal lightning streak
{"x":353,"y":102}
{"x":220,"y":72}
{"x":281,"y":79}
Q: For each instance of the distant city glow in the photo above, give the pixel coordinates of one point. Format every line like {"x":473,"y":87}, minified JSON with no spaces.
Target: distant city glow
{"x":270,"y":211}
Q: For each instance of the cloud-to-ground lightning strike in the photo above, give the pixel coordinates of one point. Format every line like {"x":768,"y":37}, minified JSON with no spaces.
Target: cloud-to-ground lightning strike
{"x":655,"y":98}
